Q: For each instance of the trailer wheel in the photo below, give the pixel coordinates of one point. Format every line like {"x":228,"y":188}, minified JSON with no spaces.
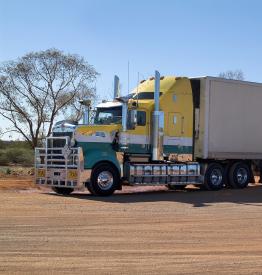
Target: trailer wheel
{"x":62,"y":190}
{"x":214,"y":177}
{"x":104,"y":180}
{"x":239,"y":175}
{"x":176,"y":187}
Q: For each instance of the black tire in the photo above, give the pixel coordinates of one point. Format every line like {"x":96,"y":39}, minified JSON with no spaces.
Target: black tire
{"x":90,"y":188}
{"x":176,"y":187}
{"x":63,"y":190}
{"x":104,"y":181}
{"x":239,"y":175}
{"x":214,"y":177}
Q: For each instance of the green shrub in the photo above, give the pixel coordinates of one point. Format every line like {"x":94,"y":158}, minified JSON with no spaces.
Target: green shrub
{"x":3,"y":157}
{"x":21,"y":156}
{"x":8,"y":171}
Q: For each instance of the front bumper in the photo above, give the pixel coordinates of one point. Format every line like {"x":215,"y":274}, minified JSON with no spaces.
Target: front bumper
{"x":60,"y":166}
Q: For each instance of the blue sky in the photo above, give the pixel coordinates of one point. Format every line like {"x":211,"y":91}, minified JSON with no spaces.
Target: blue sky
{"x":189,"y":37}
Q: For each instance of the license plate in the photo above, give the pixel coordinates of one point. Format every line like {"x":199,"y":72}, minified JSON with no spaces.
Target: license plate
{"x":41,"y":173}
{"x":72,"y":174}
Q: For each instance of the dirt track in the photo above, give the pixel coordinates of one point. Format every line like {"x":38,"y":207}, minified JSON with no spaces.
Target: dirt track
{"x":157,"y":232}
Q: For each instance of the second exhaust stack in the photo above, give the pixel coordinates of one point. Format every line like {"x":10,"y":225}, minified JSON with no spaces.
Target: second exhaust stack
{"x":158,"y":124}
{"x":116,"y":87}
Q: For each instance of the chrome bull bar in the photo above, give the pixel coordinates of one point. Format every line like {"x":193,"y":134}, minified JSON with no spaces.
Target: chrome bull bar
{"x":59,"y":165}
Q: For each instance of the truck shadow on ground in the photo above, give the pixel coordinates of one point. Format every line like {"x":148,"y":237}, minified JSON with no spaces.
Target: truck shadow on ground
{"x":194,"y":196}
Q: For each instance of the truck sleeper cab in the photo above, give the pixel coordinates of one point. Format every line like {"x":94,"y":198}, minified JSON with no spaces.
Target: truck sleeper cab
{"x":171,"y":131}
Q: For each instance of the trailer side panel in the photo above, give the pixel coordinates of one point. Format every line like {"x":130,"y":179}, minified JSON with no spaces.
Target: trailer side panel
{"x":230,"y":117}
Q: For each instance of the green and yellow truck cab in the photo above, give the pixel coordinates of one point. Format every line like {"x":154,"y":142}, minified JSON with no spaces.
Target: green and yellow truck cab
{"x":160,"y":134}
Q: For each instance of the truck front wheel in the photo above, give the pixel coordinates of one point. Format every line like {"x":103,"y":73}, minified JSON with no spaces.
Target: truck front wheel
{"x":239,"y":175}
{"x":104,"y":180}
{"x":214,"y":177}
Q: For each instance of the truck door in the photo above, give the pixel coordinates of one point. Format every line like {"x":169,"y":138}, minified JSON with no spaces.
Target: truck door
{"x":138,"y":138}
{"x":173,"y":141}
{"x":175,"y":125}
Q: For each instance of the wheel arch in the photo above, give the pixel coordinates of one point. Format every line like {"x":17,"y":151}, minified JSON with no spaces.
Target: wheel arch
{"x":106,"y":162}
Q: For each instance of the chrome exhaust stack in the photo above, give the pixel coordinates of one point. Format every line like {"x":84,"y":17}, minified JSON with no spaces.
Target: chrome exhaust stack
{"x":158,"y":124}
{"x":86,"y":112}
{"x":116,"y":87}
{"x":123,"y":136}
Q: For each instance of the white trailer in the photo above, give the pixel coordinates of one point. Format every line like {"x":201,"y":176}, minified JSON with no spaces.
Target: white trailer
{"x":229,"y":120}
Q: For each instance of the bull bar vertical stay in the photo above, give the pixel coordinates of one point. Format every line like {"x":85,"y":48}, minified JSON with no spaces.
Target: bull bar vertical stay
{"x":59,"y":165}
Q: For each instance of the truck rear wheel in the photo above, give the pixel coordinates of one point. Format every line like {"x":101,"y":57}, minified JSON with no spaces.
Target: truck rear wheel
{"x":214,"y":177}
{"x":239,"y":175}
{"x":104,"y":180}
{"x":63,"y":190}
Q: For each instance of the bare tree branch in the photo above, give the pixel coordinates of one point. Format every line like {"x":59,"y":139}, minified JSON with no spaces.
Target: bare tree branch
{"x":237,"y":75}
{"x":37,"y":88}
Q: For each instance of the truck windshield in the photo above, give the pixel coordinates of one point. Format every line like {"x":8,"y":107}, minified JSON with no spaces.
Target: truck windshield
{"x":105,"y":116}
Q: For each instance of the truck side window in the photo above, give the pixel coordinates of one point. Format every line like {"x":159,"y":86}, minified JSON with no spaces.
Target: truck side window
{"x":141,"y":118}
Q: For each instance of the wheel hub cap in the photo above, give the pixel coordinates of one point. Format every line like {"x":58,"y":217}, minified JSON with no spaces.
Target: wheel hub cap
{"x":241,"y":176}
{"x":216,"y":177}
{"x":105,"y":180}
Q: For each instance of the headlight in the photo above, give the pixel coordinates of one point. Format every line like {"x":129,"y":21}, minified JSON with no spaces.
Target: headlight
{"x":72,"y":142}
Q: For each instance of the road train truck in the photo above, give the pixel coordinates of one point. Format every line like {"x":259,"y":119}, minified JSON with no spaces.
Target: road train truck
{"x":171,"y":131}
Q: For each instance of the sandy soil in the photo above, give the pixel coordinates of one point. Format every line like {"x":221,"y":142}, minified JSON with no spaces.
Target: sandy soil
{"x":133,"y":232}
{"x":17,"y":183}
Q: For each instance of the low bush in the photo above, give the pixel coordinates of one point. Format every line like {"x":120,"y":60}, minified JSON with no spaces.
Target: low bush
{"x":21,"y":156}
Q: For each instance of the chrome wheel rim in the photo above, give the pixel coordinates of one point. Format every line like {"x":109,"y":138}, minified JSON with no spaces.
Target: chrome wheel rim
{"x":105,"y":180}
{"x":216,"y":177}
{"x":242,"y":176}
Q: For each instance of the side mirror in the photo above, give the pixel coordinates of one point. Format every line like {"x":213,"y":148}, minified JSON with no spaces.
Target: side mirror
{"x":132,"y":119}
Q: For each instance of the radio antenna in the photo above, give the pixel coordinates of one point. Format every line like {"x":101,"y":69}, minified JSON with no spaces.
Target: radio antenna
{"x":128,"y":77}
{"x":137,"y":89}
{"x":138,"y":76}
